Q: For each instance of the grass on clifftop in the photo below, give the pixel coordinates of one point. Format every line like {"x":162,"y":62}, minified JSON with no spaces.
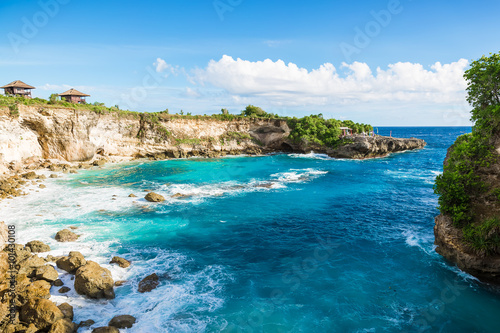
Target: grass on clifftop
{"x":463,"y":188}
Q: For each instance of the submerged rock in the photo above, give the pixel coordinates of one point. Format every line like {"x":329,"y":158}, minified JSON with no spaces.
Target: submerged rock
{"x":67,"y":310}
{"x":149,"y":283}
{"x":123,"y":263}
{"x":66,"y":235}
{"x":123,"y":321}
{"x":86,"y":323}
{"x":106,"y":329}
{"x":64,"y":290}
{"x":180,"y":195}
{"x":58,"y":283}
{"x":94,"y":281}
{"x":154,"y":197}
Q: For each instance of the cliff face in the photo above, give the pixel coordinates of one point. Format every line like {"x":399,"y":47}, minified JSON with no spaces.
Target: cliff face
{"x":77,"y":136}
{"x":450,"y":245}
{"x":70,"y":135}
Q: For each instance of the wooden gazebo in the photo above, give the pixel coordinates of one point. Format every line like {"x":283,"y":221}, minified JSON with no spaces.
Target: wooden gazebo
{"x":74,"y":96}
{"x":18,"y":88}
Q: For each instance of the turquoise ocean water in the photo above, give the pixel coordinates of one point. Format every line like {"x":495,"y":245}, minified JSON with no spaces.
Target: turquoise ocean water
{"x":279,"y":243}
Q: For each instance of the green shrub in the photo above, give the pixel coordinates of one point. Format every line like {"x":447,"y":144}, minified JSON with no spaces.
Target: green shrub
{"x":484,"y":239}
{"x":14,"y":110}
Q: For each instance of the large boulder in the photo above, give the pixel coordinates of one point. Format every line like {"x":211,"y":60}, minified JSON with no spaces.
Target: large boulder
{"x":40,"y":312}
{"x":66,"y":235}
{"x":47,"y":273}
{"x":154,"y":197}
{"x":149,"y":283}
{"x":29,"y":175}
{"x":94,"y":281}
{"x":123,"y":321}
{"x":37,"y":246}
{"x":63,"y":326}
{"x":38,"y":289}
{"x":123,"y":263}
{"x":72,"y":262}
{"x":30,"y":265}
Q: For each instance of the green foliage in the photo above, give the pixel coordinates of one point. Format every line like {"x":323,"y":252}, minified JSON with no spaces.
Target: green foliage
{"x":461,"y":183}
{"x":53,"y":98}
{"x":14,"y":110}
{"x":483,"y":89}
{"x":237,"y":136}
{"x":253,"y":111}
{"x":315,"y":129}
{"x":188,"y":141}
{"x":484,"y":238}
{"x":256,"y":112}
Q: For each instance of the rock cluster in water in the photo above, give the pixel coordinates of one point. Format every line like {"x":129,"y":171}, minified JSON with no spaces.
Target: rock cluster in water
{"x":29,"y":306}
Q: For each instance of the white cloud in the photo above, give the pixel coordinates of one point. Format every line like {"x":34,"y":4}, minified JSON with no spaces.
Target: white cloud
{"x":162,"y":66}
{"x":191,"y":92}
{"x":283,"y":84}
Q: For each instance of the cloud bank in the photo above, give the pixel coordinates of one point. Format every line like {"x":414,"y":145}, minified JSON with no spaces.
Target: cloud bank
{"x":284,"y":84}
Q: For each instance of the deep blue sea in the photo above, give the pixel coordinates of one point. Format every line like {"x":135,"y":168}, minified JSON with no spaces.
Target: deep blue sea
{"x":278,"y":243}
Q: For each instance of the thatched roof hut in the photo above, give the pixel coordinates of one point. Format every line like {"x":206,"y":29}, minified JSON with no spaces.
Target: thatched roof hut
{"x":18,"y":88}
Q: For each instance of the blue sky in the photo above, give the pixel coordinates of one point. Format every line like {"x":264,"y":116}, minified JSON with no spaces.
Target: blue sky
{"x":380,"y":62}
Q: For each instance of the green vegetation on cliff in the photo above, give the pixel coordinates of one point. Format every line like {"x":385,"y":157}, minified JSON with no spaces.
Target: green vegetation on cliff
{"x":462,"y":187}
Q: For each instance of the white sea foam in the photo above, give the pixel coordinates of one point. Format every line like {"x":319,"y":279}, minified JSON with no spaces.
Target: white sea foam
{"x":426,"y":176}
{"x":421,"y":239}
{"x":312,"y":155}
{"x":191,"y":192}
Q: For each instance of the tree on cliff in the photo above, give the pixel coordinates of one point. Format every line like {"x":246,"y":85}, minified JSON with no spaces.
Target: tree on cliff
{"x":466,"y":194}
{"x":483,"y":90}
{"x":253,"y":111}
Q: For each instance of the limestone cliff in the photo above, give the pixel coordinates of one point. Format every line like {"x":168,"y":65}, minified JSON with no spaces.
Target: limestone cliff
{"x":79,"y":135}
{"x":70,"y":135}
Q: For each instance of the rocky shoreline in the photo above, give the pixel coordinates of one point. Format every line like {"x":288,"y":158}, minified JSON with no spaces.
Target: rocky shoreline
{"x":27,"y":277}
